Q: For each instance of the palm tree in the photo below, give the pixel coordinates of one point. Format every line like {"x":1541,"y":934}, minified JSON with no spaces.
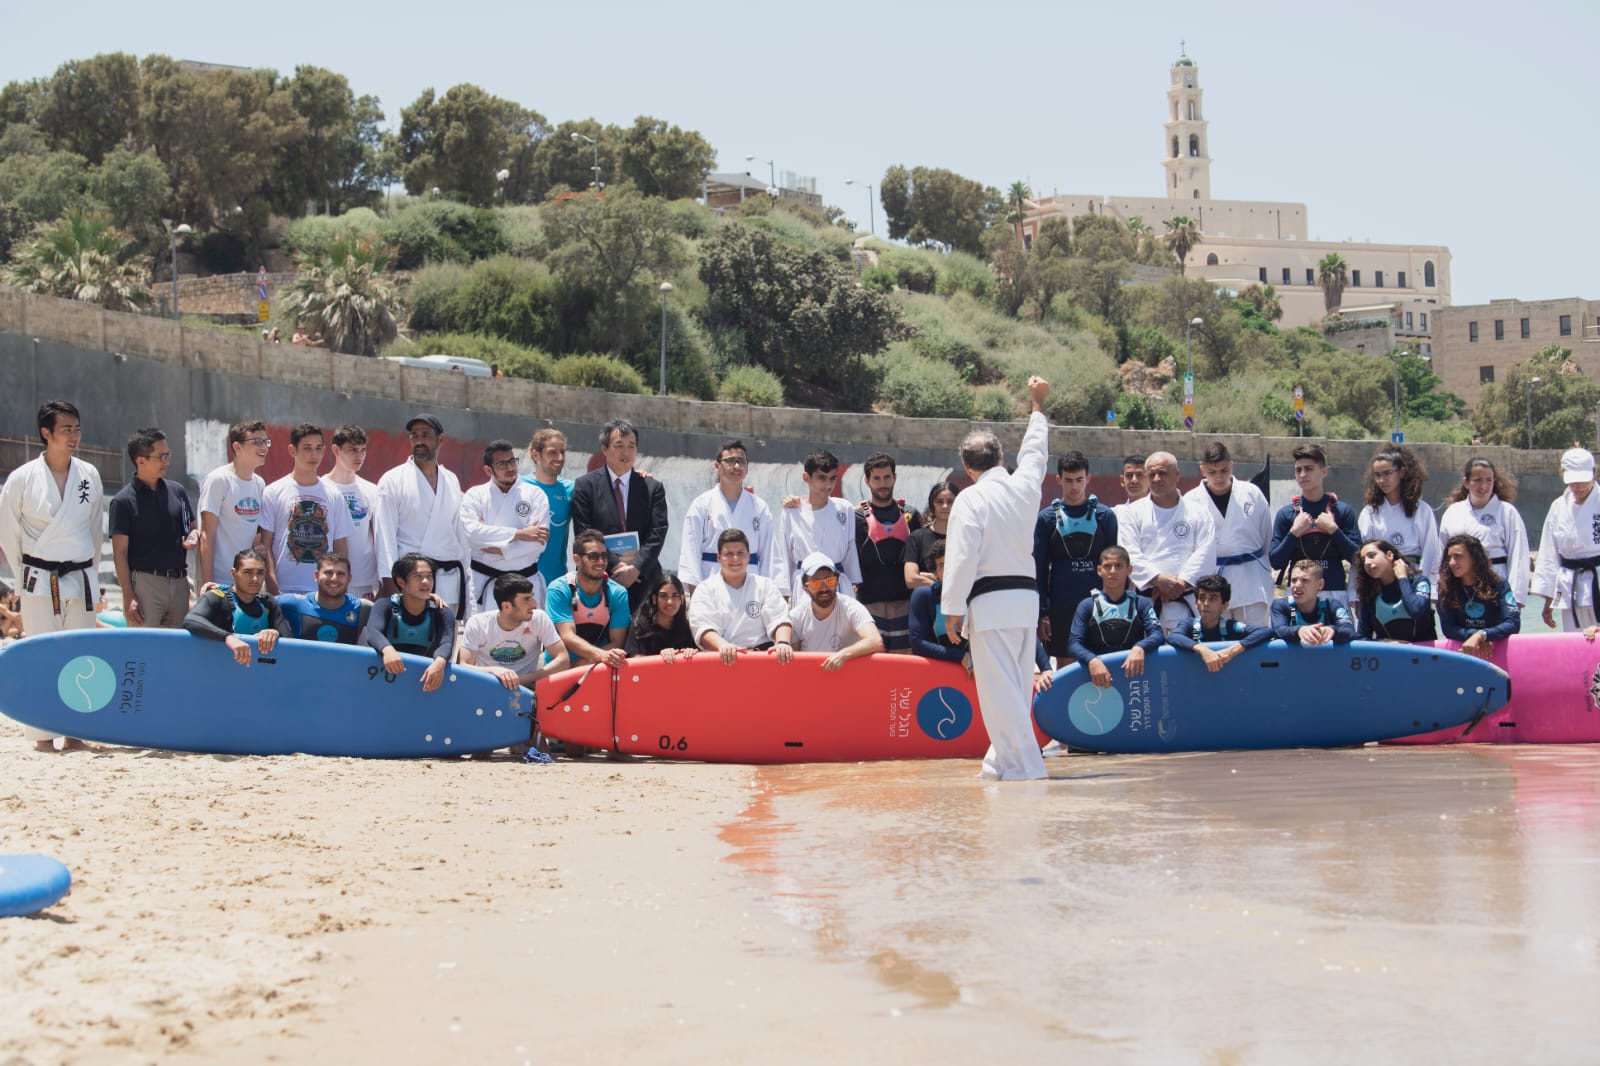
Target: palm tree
{"x":81,"y":256}
{"x":1182,"y":235}
{"x":1017,"y":197}
{"x":1143,"y":238}
{"x":1332,"y":274}
{"x":1265,"y":300}
{"x":344,"y":294}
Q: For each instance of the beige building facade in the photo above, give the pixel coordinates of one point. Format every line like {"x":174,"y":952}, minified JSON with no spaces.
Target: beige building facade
{"x":1249,"y":242}
{"x":1475,"y":344}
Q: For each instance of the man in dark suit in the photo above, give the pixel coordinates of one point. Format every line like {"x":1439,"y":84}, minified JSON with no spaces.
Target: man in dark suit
{"x":595,"y":505}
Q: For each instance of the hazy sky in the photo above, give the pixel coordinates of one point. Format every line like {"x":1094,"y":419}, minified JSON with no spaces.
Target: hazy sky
{"x":1472,"y":125}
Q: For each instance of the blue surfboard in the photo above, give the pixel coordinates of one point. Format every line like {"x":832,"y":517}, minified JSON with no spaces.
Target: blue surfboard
{"x":1274,"y":696}
{"x":30,"y":883}
{"x":164,"y":688}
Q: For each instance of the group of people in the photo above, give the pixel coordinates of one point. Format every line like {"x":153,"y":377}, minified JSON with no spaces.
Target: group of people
{"x":414,"y":563}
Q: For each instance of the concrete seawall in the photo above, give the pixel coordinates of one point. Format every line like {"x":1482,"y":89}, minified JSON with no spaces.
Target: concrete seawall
{"x":125,"y":371}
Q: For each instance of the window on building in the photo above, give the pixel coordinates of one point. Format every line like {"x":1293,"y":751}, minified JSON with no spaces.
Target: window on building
{"x":1499,"y":329}
{"x":1192,"y":115}
{"x":1377,"y":279}
{"x":1174,"y":110}
{"x":1311,"y":275}
{"x":1472,"y":332}
{"x":1355,"y":279}
{"x":1174,"y":152}
{"x":1424,"y":321}
{"x":1486,"y":375}
{"x":1261,"y":274}
{"x":1197,"y":194}
{"x":1400,"y":279}
{"x":1194,"y":145}
{"x":1524,"y":329}
{"x":1027,"y":242}
{"x":1408,"y":321}
{"x":1211,"y":259}
{"x":1286,"y":276}
{"x":1566,"y":325}
{"x":1427,"y":274}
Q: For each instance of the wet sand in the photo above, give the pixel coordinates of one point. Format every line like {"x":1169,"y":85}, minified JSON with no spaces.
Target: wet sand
{"x":1416,"y":904}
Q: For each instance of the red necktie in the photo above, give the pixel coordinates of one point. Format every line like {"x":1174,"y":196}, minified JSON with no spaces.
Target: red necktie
{"x":622,"y":506}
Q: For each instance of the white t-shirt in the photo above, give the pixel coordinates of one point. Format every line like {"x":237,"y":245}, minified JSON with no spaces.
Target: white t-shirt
{"x":521,"y":649}
{"x":237,"y":504}
{"x":361,"y":500}
{"x":305,"y":520}
{"x":745,"y":616}
{"x":842,"y":628}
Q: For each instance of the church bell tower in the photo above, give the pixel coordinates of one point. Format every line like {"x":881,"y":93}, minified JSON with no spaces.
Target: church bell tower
{"x":1188,"y":161}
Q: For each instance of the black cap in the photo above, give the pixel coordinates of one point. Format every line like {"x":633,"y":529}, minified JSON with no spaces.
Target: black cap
{"x":438,"y":427}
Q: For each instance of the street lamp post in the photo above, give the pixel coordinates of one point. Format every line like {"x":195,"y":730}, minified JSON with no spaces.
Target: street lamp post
{"x":666,"y":290}
{"x":1527,"y":394}
{"x":872,"y":211}
{"x":173,"y":233}
{"x":595,"y":143}
{"x":772,"y":168}
{"x":1188,"y":378}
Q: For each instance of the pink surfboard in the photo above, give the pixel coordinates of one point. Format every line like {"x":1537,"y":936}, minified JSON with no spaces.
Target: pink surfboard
{"x":1555,"y":694}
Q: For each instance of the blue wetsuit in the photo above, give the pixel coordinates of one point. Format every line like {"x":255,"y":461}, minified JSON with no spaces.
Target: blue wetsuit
{"x":1403,"y":611}
{"x":1497,"y":619}
{"x":309,"y":620}
{"x":1287,"y":620}
{"x":1101,"y":626}
{"x":1332,"y":550}
{"x":431,"y":633}
{"x":1067,"y":542}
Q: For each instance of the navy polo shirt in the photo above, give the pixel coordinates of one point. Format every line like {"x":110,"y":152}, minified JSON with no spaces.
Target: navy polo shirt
{"x":155,"y":522}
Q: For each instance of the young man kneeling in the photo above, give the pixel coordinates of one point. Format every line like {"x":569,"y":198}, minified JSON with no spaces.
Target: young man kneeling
{"x":1114,"y":618}
{"x":1211,"y":596}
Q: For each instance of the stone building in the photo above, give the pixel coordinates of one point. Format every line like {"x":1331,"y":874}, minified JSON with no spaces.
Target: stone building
{"x":1475,"y":344}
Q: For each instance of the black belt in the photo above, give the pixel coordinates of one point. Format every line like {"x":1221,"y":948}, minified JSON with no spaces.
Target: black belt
{"x":451,"y":564}
{"x":1001,"y":583}
{"x":182,"y":571}
{"x":492,"y":574}
{"x":55,"y":569}
{"x":1590,"y":565}
{"x":1498,"y":560}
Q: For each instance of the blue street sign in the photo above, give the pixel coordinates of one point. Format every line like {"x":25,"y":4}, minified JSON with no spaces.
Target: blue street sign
{"x":1188,"y":422}
{"x":1111,"y":418}
{"x":1397,"y":438}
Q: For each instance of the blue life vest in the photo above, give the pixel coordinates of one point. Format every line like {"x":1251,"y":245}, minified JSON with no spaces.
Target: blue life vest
{"x":414,"y":638}
{"x":246,"y":624}
{"x":1113,"y":622}
{"x":1229,"y":629}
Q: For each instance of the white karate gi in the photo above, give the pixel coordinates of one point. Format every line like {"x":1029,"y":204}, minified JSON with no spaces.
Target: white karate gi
{"x":55,"y":526}
{"x":745,"y":616}
{"x":414,"y":517}
{"x":1245,"y":530}
{"x":1180,"y":540}
{"x":491,"y":519}
{"x":305,"y":520}
{"x":990,"y":535}
{"x":237,"y":504}
{"x":361,"y":500}
{"x":1416,"y":537}
{"x":1503,"y":534}
{"x":1571,"y":530}
{"x":831,"y":530}
{"x":708,"y":516}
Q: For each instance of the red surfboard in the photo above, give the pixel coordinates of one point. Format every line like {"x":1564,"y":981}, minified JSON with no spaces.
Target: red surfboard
{"x":761,"y":711}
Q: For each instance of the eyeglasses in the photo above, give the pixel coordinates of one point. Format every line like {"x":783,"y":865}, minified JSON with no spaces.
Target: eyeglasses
{"x":157,"y":457}
{"x":260,"y":442}
{"x":823,"y":582}
{"x":504,"y":464}
{"x":591,"y":556}
{"x":734,"y":463}
{"x":1382,"y":474}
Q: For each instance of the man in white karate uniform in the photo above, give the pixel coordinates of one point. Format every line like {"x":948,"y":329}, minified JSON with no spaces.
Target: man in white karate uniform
{"x":51,"y":511}
{"x":507,"y":522}
{"x":1568,"y":573}
{"x":419,"y":510}
{"x":727,"y":505}
{"x":816,"y":522}
{"x":1244,"y":534}
{"x":1171,"y":541}
{"x":988,"y":571}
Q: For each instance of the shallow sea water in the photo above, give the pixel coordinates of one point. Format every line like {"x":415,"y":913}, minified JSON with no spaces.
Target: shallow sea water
{"x":1425,"y":904}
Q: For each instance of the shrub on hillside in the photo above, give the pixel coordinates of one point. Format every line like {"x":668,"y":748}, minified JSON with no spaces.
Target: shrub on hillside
{"x":994,"y":403}
{"x":506,"y":297}
{"x":312,"y":235}
{"x":691,"y":220}
{"x":965,"y":273}
{"x":753,"y":385}
{"x":432,"y":296}
{"x":912,"y":270}
{"x":522,"y":232}
{"x":921,"y":388}
{"x":1150,"y":345}
{"x":878,"y":279}
{"x":598,"y":372}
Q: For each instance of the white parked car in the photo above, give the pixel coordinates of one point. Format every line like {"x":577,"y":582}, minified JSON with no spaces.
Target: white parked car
{"x":475,"y":368}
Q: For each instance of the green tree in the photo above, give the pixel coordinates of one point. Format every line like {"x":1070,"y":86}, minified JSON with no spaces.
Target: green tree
{"x":1101,"y":238}
{"x":81,"y":256}
{"x":338,"y":163}
{"x":1332,"y":274}
{"x":1561,"y":401}
{"x":1421,"y":395}
{"x":460,"y":141}
{"x":801,"y":314}
{"x":133,"y":188}
{"x":1264,"y":298}
{"x":346,"y":294}
{"x":663,"y":160}
{"x":92,"y":105}
{"x":933,"y":204}
{"x":1017,"y":206}
{"x":1183,"y":233}
{"x":1055,"y":238}
{"x":566,"y":159}
{"x":45,"y":187}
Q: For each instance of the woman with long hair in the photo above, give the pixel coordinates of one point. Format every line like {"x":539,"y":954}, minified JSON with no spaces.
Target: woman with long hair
{"x":1476,"y":605}
{"x":919,"y":568}
{"x":661,"y":624}
{"x":1394,"y":601}
{"x":1482,"y":506}
{"x":1396,"y":511}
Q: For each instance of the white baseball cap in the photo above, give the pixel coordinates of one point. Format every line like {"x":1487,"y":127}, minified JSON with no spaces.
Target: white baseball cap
{"x":1577,"y":466}
{"x":814,"y":562}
